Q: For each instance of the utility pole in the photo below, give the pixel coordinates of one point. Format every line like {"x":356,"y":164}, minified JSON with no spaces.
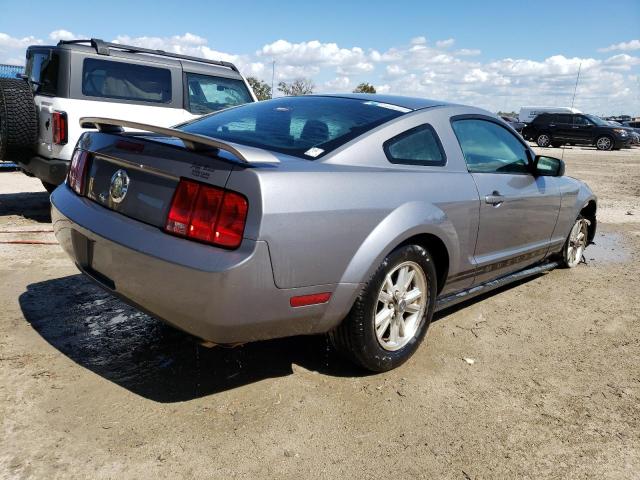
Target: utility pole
{"x":576,"y":87}
{"x":273,"y":75}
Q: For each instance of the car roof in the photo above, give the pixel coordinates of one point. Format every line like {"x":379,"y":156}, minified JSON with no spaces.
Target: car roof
{"x":412,"y":103}
{"x":193,"y":66}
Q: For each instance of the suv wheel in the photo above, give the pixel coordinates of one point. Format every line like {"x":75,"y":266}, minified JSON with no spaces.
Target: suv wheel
{"x":18,"y":120}
{"x":604,"y":143}
{"x":392,"y":313}
{"x":543,"y":140}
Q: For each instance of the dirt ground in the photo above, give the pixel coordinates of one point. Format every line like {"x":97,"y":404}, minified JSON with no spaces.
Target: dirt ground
{"x":90,"y":388}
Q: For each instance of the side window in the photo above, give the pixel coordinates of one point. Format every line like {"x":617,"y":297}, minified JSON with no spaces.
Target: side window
{"x":580,"y":120}
{"x":209,"y":94}
{"x":418,"y":146}
{"x":125,"y":81}
{"x":490,"y":148}
{"x":563,"y":118}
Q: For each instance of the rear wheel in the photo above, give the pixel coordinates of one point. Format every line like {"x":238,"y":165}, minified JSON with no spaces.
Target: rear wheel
{"x":392,"y":314}
{"x":543,"y":140}
{"x":604,"y":143}
{"x":18,"y":120}
{"x":576,"y":243}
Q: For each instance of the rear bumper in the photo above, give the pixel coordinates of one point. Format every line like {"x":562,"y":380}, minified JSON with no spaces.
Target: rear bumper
{"x":50,"y":170}
{"x":218,"y":295}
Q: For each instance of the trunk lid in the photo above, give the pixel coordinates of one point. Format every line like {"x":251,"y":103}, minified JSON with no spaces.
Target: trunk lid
{"x":137,"y":175}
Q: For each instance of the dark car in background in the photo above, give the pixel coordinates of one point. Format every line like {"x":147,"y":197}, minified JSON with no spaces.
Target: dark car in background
{"x":557,"y":129}
{"x":516,"y":124}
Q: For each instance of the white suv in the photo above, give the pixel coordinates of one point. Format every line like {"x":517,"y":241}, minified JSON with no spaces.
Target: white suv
{"x":39,"y":114}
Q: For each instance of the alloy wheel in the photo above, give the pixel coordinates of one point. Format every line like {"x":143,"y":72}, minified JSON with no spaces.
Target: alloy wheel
{"x":401,"y":305}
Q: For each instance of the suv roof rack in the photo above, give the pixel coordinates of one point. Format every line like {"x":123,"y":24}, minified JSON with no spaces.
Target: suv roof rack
{"x":103,"y":48}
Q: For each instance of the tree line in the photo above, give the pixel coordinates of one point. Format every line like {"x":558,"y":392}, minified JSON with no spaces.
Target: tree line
{"x":297,"y":87}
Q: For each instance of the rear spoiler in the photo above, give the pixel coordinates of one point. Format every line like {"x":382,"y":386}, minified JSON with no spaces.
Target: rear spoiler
{"x":192,"y":141}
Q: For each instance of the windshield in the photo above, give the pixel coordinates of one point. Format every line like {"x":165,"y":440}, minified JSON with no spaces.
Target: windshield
{"x":597,"y":120}
{"x":307,"y":126}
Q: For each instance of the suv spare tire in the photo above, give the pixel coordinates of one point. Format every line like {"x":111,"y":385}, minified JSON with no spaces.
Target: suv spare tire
{"x":18,"y":120}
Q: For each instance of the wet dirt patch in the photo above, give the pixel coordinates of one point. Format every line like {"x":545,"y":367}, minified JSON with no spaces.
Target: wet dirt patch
{"x":608,"y":247}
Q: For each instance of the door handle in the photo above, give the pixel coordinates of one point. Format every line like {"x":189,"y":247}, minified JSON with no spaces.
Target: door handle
{"x":494,"y":199}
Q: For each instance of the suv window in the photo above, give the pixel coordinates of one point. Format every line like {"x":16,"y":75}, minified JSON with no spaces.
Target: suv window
{"x":563,"y":118}
{"x":580,"y":120}
{"x":125,"y":81}
{"x":42,"y":70}
{"x":418,"y":146}
{"x":209,"y":94}
{"x":489,"y":147}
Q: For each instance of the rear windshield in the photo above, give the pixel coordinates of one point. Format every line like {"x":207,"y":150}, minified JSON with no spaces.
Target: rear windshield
{"x":209,"y":94}
{"x":42,"y":70}
{"x":307,"y":126}
{"x":125,"y":81}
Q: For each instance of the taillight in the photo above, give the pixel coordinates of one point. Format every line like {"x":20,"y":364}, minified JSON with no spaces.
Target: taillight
{"x":77,"y":172}
{"x":207,"y":214}
{"x":59,"y":129}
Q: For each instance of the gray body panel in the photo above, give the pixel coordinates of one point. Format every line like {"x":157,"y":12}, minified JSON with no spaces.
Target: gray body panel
{"x":314,"y":226}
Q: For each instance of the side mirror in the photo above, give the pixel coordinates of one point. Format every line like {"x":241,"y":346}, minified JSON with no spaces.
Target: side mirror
{"x":548,"y":166}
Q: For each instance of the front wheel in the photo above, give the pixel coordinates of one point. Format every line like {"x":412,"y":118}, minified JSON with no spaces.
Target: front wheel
{"x":604,"y":143}
{"x":576,"y":243}
{"x":391,"y":315}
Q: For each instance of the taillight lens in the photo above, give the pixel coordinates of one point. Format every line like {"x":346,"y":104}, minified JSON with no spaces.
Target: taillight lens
{"x":77,"y":172}
{"x":207,"y":214}
{"x":59,"y":128}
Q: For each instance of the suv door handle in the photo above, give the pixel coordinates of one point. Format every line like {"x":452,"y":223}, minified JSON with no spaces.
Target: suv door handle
{"x":552,"y":124}
{"x":494,"y":199}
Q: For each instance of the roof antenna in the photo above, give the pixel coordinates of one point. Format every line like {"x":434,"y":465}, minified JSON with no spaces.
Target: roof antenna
{"x":575,"y":89}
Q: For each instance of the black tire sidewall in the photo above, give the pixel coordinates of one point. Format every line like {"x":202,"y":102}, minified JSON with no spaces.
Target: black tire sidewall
{"x":371,"y":354}
{"x":18,"y":120}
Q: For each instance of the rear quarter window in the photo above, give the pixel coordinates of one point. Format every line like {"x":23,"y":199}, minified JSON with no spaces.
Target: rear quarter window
{"x":125,"y":81}
{"x":418,"y":146}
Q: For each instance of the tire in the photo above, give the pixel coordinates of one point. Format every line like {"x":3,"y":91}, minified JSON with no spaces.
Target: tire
{"x":49,"y":187}
{"x":543,"y":140}
{"x":604,"y":142}
{"x":356,"y":337}
{"x":576,"y":242}
{"x":18,"y":120}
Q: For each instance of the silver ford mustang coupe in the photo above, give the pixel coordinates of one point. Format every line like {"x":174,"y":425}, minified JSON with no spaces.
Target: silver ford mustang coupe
{"x":352,"y":215}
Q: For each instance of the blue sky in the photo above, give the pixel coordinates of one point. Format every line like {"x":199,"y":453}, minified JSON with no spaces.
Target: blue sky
{"x":482,"y":52}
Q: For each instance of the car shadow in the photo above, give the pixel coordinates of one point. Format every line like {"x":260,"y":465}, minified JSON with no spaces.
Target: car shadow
{"x":31,"y":205}
{"x":156,"y":361}
{"x":152,"y":359}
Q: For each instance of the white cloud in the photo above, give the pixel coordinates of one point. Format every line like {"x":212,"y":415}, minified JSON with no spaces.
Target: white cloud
{"x":58,"y":35}
{"x":624,"y":46}
{"x":338,"y":84}
{"x":8,"y":42}
{"x":467,"y":52}
{"x":418,"y":41}
{"x":445,"y":43}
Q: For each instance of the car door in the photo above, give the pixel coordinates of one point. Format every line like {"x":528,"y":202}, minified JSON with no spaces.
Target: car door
{"x":563,"y":127}
{"x":582,"y":129}
{"x":518,"y":211}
